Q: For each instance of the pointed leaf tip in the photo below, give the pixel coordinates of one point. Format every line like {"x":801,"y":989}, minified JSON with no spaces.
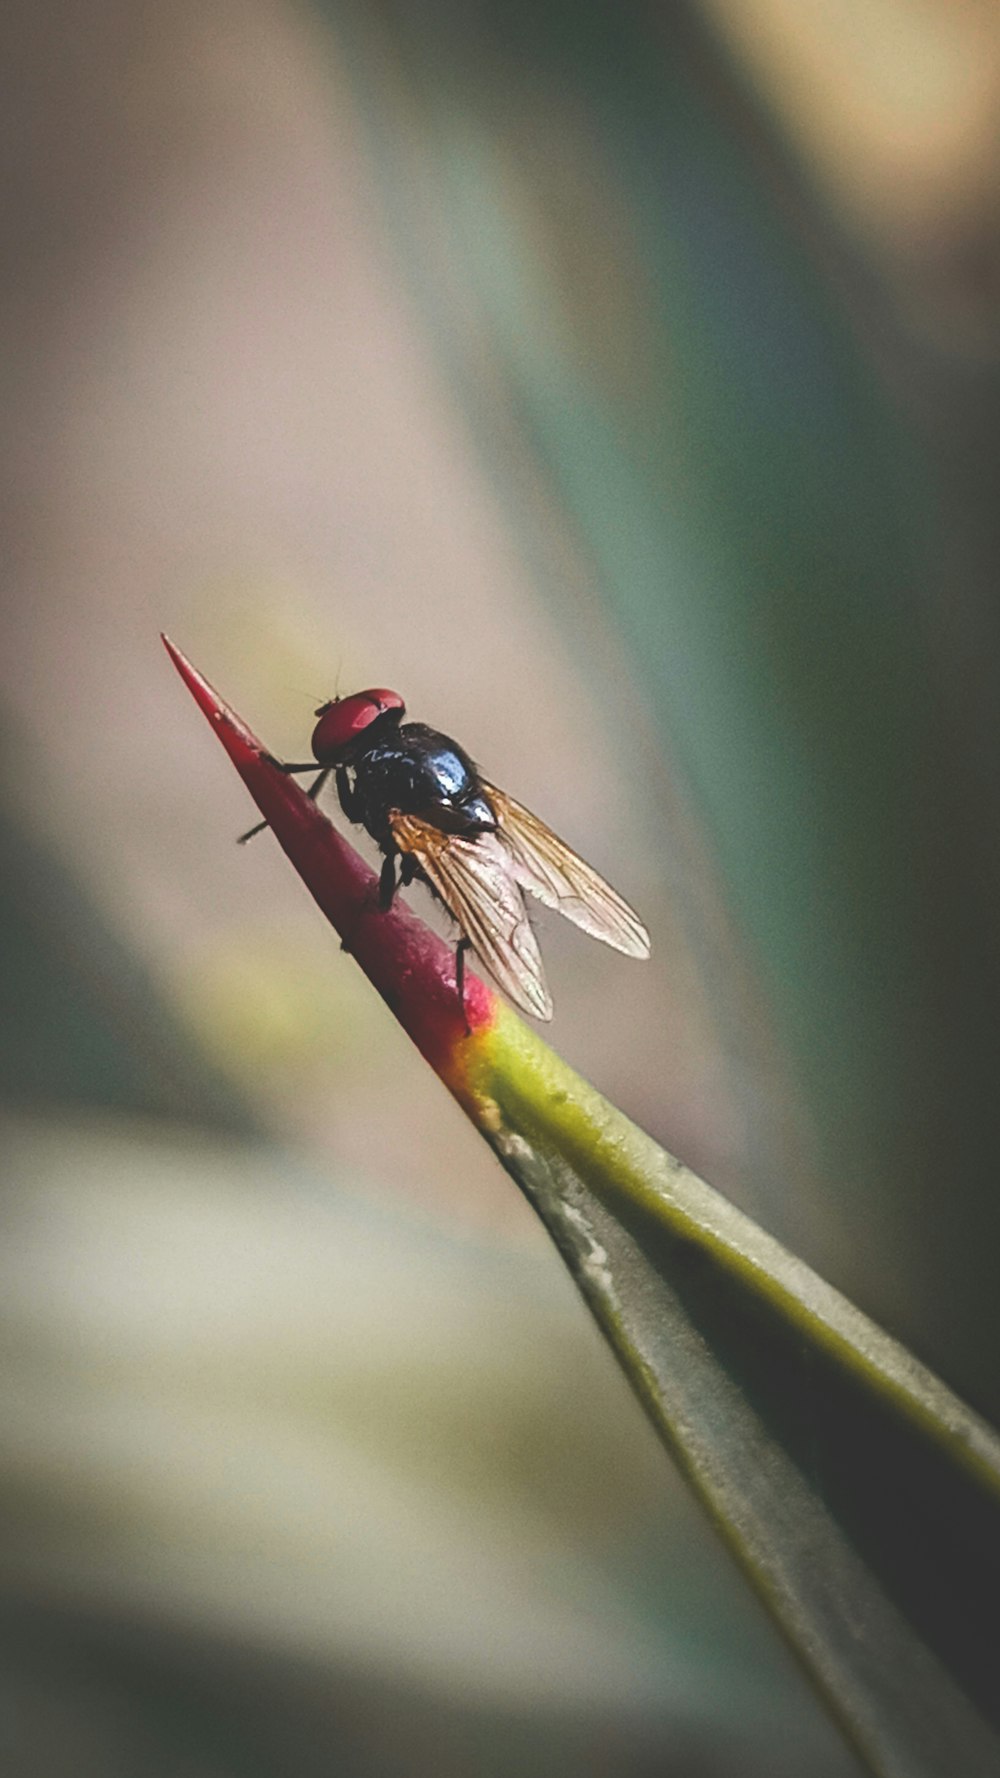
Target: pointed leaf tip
{"x":411,"y":967}
{"x":238,"y":740}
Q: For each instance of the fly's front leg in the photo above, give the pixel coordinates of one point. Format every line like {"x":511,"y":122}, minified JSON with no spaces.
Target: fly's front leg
{"x":312,"y":792}
{"x":314,"y":789}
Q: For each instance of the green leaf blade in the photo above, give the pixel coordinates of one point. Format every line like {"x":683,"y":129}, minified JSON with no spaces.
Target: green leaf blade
{"x":859,"y":1494}
{"x":861,"y":1497}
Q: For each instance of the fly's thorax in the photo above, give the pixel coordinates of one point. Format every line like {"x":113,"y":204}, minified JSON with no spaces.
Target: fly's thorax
{"x":420,"y":772}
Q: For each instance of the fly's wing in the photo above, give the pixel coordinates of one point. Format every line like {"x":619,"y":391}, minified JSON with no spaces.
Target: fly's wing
{"x":551,"y":870}
{"x":475,"y":878}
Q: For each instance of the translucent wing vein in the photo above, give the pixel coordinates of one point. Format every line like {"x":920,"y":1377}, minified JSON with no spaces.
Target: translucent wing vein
{"x":475,"y":878}
{"x":552,"y":871}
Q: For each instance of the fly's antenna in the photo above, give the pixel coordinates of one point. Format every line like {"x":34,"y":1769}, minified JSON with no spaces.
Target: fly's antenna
{"x":323,"y":697}
{"x":325,"y":702}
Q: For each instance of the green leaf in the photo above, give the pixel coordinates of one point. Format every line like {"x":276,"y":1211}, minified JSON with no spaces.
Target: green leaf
{"x":861,"y":1497}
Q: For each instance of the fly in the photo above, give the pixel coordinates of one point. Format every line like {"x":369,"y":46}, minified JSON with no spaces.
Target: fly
{"x":436,"y":819}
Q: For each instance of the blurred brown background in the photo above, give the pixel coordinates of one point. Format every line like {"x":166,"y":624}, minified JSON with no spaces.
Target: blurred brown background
{"x":621,"y":385}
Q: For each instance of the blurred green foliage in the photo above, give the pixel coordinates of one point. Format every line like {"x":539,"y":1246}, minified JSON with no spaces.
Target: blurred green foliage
{"x":681,"y":372}
{"x":616,"y":254}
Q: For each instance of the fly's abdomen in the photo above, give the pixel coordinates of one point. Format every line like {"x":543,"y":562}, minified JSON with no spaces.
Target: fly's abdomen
{"x":477,"y":814}
{"x":452,"y":783}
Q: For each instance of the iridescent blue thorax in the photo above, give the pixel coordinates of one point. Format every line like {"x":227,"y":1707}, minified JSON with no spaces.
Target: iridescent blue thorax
{"x":420,"y":772}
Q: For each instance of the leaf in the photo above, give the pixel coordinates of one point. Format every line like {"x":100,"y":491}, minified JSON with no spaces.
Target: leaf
{"x":860,"y":1496}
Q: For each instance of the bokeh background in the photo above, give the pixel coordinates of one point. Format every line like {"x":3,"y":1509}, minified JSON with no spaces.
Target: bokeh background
{"x":622,"y":383}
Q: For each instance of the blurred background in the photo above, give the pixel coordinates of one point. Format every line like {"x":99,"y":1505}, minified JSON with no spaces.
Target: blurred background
{"x":621,"y":383}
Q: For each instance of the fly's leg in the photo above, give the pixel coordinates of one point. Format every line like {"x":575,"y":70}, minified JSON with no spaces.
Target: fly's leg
{"x":252,"y":832}
{"x":460,"y":950}
{"x":314,"y":789}
{"x":312,"y":792}
{"x":387,"y":884}
{"x":350,"y":801}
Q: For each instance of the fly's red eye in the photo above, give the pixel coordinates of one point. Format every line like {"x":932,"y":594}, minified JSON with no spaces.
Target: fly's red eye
{"x":345,"y":719}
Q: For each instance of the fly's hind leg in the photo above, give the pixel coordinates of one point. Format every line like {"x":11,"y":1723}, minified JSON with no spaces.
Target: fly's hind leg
{"x":387,"y":884}
{"x":385,"y":893}
{"x":460,"y":950}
